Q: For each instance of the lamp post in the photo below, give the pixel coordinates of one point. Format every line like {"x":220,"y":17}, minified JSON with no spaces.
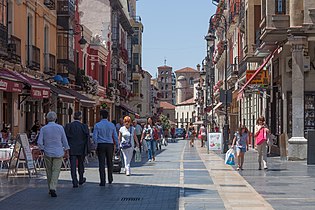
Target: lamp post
{"x":218,"y":18}
{"x":82,"y":41}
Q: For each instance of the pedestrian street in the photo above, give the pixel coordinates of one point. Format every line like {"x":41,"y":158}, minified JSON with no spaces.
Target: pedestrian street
{"x":182,"y":177}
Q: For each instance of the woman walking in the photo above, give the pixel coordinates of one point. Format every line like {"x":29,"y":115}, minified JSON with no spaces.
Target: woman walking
{"x":147,"y":135}
{"x":192,"y":134}
{"x":203,"y":135}
{"x":261,"y":132}
{"x":241,"y":140}
{"x":127,"y":138}
{"x":53,"y":141}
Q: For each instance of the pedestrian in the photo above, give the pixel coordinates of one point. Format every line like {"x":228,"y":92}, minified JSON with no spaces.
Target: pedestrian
{"x":173,"y":130}
{"x":119,"y":124}
{"x":191,"y":134}
{"x":104,"y":135}
{"x":241,"y":141}
{"x":78,"y":138}
{"x":53,"y":141}
{"x":261,"y":131}
{"x":128,"y":140}
{"x":147,"y":135}
{"x":138,"y":130}
{"x":203,"y":134}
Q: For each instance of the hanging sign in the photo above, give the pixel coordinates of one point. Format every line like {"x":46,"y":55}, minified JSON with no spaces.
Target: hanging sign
{"x":262,"y":78}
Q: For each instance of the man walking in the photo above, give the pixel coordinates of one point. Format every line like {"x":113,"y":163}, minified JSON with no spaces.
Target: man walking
{"x":53,"y":141}
{"x":103,"y":135}
{"x":138,"y":130}
{"x":78,"y":138}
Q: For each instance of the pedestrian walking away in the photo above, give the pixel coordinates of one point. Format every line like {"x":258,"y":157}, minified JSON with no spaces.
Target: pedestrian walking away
{"x":138,"y":130}
{"x":127,"y":140}
{"x":241,"y":141}
{"x":147,"y":135}
{"x":191,"y":134}
{"x":261,"y":132}
{"x":203,"y":135}
{"x":104,"y":135}
{"x":78,"y":138}
{"x":53,"y":141}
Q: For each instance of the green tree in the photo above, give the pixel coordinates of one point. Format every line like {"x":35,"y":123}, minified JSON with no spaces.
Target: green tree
{"x":165,"y":123}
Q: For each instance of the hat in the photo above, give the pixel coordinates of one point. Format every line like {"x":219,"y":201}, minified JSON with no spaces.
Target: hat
{"x":77,"y":115}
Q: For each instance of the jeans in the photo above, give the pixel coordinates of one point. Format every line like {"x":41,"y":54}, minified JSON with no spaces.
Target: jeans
{"x":73,"y":166}
{"x":127,"y":153}
{"x":151,"y":144}
{"x":53,"y":166}
{"x":105,"y":151}
{"x":262,"y":154}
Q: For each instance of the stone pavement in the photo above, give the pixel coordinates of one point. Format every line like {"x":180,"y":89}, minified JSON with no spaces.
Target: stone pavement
{"x":182,"y":177}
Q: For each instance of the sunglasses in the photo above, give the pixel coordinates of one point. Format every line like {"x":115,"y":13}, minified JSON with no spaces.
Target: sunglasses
{"x":127,"y":121}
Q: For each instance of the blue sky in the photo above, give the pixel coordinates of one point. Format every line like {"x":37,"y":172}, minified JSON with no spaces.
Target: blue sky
{"x":175,"y":30}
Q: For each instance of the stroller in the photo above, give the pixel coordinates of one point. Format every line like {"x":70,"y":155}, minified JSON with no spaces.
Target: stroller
{"x":117,"y":163}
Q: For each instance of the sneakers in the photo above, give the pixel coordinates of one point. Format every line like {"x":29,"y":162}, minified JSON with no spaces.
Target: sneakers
{"x":53,"y":193}
{"x":150,"y":160}
{"x":127,"y":173}
{"x":153,"y":158}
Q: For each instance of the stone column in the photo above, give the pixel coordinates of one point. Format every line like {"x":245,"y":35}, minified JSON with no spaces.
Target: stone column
{"x":297,"y":147}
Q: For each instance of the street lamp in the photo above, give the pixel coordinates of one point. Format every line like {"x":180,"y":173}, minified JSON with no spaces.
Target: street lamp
{"x":218,"y":18}
{"x":82,"y":41}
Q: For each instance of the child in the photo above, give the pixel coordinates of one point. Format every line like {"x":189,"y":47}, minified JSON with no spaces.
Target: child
{"x":241,"y":140}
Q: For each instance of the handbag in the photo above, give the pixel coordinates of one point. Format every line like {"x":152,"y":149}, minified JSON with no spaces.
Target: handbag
{"x":261,"y":137}
{"x":126,"y":144}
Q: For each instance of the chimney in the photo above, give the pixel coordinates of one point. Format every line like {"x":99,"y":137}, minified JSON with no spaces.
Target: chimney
{"x":198,"y":67}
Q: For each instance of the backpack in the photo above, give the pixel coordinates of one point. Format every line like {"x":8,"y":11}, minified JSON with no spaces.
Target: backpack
{"x":155,"y":134}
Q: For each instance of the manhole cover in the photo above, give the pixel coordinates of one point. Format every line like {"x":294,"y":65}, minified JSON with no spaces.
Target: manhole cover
{"x":131,"y":199}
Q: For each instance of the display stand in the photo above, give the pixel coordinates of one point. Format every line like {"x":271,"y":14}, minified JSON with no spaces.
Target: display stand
{"x":23,"y":145}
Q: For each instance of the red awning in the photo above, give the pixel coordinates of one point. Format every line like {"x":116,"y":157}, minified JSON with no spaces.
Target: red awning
{"x":38,"y":89}
{"x":240,"y":93}
{"x":10,"y":86}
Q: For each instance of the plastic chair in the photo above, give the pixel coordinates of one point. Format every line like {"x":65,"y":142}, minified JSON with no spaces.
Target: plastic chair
{"x":5,"y":157}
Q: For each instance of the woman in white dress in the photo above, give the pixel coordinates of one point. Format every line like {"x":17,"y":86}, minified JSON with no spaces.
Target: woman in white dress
{"x":127,"y":139}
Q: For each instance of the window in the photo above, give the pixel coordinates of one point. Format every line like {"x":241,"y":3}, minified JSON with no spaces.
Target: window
{"x":135,"y":59}
{"x":3,"y":13}
{"x":168,"y":116}
{"x":162,"y":72}
{"x":135,"y":38}
{"x":280,"y":7}
{"x":191,"y":81}
{"x":101,"y":75}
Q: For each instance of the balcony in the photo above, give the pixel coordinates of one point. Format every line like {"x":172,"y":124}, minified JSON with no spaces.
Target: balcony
{"x":232,"y":73}
{"x":51,"y":4}
{"x":33,"y":57}
{"x":50,"y":64}
{"x":65,"y":65}
{"x":65,"y":7}
{"x":14,"y":49}
{"x":3,"y":40}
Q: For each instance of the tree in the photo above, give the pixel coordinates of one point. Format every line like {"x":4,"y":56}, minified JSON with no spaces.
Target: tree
{"x":165,"y":123}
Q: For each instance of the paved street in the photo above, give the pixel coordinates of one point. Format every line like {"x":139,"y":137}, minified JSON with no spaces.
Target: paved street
{"x":181,"y":178}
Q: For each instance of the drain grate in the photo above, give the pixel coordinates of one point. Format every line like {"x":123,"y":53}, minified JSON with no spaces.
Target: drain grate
{"x":232,"y":185}
{"x":131,"y":199}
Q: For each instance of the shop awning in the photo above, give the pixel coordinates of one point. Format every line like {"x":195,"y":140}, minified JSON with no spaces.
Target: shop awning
{"x":38,"y":89}
{"x":9,"y":83}
{"x":63,"y":95}
{"x":240,"y":93}
{"x":126,"y":108}
{"x":84,"y":101}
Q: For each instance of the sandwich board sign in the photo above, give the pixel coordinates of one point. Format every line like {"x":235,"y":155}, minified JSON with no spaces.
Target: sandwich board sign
{"x":22,"y":145}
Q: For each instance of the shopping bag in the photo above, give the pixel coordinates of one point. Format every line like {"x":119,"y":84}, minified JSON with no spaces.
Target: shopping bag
{"x":230,"y":157}
{"x":261,"y":137}
{"x":138,"y":155}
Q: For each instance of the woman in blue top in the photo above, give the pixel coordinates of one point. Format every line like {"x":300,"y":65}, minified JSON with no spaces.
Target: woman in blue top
{"x":241,"y":140}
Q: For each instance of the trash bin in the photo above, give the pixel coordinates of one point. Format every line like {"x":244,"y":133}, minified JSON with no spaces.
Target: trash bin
{"x":311,"y":147}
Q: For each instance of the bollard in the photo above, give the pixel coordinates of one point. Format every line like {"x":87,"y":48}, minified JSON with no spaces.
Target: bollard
{"x":311,"y":147}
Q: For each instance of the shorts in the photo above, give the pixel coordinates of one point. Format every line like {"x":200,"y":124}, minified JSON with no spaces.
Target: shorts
{"x":240,"y":149}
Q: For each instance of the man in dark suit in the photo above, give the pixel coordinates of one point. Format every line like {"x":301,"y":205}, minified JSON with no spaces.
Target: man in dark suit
{"x":78,"y":138}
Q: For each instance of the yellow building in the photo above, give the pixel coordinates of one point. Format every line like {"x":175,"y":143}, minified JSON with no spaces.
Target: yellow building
{"x":28,"y":46}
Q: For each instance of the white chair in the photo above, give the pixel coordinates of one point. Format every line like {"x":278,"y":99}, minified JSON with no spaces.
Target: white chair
{"x":5,"y":157}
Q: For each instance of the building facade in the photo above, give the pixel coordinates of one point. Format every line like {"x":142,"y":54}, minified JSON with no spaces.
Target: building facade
{"x":164,"y":81}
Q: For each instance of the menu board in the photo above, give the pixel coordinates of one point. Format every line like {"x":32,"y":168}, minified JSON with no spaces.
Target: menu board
{"x":215,"y":141}
{"x":21,"y":143}
{"x":27,"y":151}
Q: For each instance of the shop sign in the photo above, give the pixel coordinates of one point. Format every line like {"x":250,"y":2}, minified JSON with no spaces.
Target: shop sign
{"x":10,"y":86}
{"x":40,"y":93}
{"x":262,"y":78}
{"x":215,"y":141}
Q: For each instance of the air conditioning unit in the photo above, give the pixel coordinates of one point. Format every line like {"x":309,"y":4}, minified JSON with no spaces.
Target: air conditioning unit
{"x":306,"y":64}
